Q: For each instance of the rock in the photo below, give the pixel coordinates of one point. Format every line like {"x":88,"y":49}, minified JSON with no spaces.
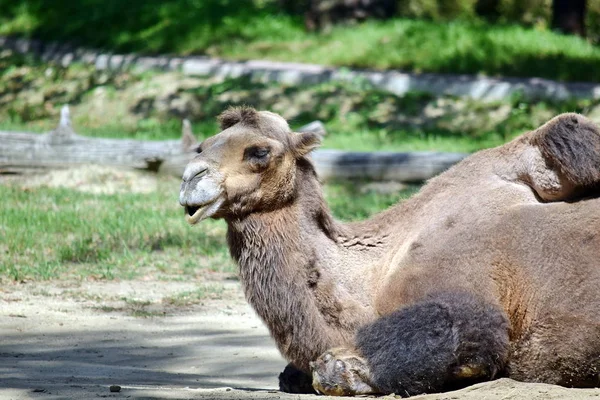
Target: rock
{"x":185,"y":105}
{"x":115,"y":388}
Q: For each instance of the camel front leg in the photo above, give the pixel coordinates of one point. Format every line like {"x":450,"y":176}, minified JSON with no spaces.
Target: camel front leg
{"x":443,"y":342}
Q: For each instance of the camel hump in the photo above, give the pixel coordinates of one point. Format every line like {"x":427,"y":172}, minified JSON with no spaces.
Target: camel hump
{"x":570,"y":143}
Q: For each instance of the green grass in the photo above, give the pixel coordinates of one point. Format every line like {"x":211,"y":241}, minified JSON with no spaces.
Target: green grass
{"x":258,"y":30}
{"x":424,"y":46}
{"x":345,"y":136}
{"x":146,"y":129}
{"x":190,"y":297}
{"x":50,"y":233}
{"x":47,"y":233}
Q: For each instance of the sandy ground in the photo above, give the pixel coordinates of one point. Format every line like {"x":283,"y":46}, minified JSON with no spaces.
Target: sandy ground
{"x":58,"y":341}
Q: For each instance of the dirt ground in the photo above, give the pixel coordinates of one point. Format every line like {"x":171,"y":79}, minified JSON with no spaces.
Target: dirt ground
{"x":76,"y":340}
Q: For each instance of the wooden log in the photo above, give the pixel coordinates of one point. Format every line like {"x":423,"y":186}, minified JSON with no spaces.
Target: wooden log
{"x":61,"y":148}
{"x":382,"y":166}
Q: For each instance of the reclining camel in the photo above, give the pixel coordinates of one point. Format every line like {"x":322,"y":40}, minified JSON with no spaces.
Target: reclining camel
{"x":491,"y":270}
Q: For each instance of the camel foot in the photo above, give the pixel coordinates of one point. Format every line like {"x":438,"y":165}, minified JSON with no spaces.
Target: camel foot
{"x":293,"y":380}
{"x":341,"y":372}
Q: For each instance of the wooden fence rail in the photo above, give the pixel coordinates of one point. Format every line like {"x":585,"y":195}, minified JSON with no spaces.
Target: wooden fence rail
{"x":22,"y":152}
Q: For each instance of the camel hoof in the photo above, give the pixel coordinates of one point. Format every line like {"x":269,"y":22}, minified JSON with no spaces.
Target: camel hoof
{"x":293,"y":380}
{"x":341,"y":372}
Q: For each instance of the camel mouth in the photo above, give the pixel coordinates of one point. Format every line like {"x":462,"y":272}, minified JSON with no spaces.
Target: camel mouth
{"x":196,"y":213}
{"x":191,"y":210}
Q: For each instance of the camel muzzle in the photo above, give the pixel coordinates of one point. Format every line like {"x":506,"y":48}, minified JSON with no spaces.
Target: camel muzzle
{"x":200,"y":193}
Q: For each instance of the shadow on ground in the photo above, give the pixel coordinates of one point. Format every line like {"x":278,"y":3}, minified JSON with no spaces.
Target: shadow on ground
{"x":60,"y":347}
{"x":54,"y":347}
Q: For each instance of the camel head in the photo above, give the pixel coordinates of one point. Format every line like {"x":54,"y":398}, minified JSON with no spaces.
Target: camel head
{"x":250,"y":166}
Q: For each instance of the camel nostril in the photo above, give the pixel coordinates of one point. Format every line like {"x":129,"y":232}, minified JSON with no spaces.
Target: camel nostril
{"x":200,"y":173}
{"x":194,"y":174}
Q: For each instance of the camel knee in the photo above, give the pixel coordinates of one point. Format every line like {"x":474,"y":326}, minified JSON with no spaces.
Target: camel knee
{"x":447,"y":340}
{"x":342,"y":372}
{"x":444,"y":342}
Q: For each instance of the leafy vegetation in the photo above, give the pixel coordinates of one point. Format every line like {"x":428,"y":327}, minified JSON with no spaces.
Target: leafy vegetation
{"x":49,"y":233}
{"x":150,"y":106}
{"x":425,"y":46}
{"x":259,"y":29}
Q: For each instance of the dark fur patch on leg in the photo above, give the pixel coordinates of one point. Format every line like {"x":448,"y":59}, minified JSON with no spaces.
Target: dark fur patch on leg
{"x":293,"y":380}
{"x":571,"y":144}
{"x":448,"y":340}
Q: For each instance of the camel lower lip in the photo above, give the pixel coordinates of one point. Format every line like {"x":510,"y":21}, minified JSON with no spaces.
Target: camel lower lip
{"x":196,"y":213}
{"x":191,"y":210}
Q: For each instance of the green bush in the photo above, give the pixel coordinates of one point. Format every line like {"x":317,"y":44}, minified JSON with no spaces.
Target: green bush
{"x":536,"y":13}
{"x":154,"y":25}
{"x":437,"y":9}
{"x":593,"y":20}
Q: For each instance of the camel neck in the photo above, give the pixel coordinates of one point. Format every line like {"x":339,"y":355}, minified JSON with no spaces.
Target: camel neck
{"x":285,"y":259}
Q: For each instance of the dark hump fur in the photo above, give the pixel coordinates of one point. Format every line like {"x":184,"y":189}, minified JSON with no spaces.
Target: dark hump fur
{"x":571,"y":144}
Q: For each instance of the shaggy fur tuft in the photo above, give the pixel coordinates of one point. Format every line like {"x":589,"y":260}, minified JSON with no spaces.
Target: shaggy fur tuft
{"x":248,"y":116}
{"x":571,"y":143}
{"x":447,"y":341}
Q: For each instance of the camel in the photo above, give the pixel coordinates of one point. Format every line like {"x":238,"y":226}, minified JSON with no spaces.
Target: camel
{"x":490,"y":270}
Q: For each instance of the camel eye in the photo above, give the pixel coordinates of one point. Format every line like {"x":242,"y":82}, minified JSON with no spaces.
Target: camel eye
{"x":199,"y":149}
{"x":257,"y":153}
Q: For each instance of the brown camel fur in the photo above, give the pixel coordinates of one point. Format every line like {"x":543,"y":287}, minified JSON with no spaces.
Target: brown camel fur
{"x":515,"y":227}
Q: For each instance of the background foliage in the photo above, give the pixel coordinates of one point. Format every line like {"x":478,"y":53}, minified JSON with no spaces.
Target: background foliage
{"x":57,"y":232}
{"x":492,"y":37}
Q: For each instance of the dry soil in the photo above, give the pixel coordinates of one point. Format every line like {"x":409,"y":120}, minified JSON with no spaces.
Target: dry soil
{"x":76,"y":340}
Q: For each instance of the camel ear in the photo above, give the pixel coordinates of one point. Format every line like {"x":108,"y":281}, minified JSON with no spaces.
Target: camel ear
{"x":305,"y":142}
{"x":570,"y":144}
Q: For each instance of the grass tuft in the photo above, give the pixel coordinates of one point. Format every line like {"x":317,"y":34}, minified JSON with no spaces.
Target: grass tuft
{"x":54,"y":233}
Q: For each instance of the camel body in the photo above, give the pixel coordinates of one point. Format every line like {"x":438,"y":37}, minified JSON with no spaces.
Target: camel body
{"x":537,"y":261}
{"x":510,"y":225}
